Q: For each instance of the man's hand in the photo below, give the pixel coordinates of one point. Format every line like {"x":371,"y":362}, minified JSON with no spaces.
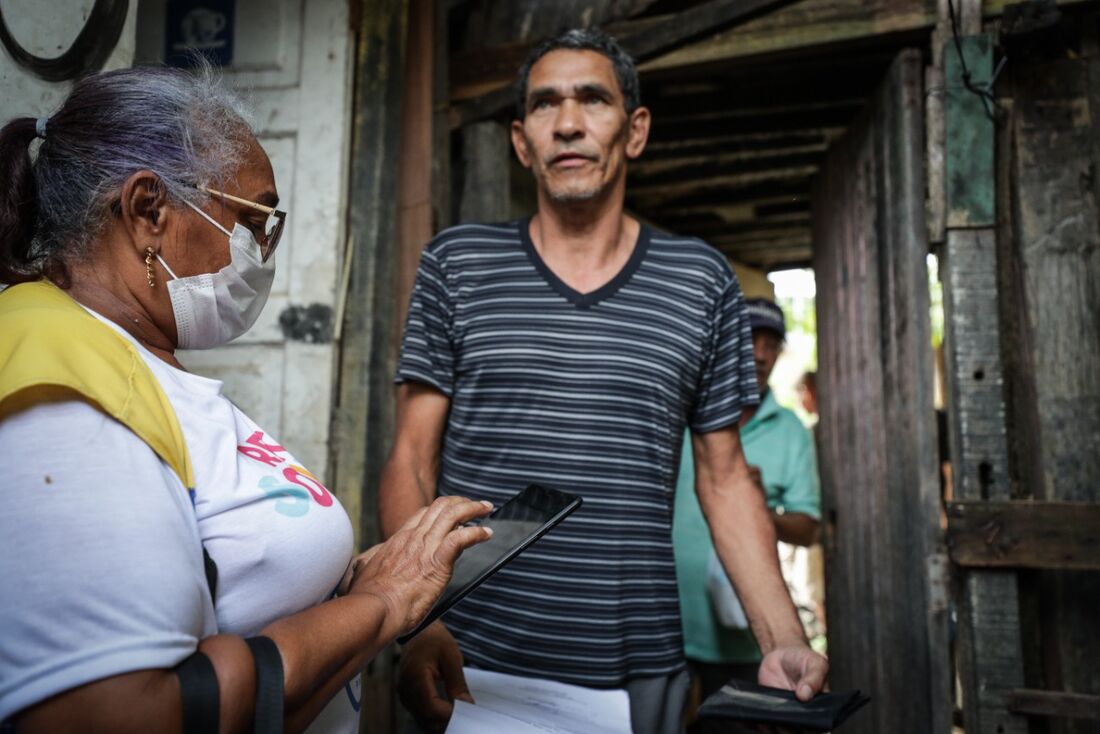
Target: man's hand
{"x":432,"y":658}
{"x":795,"y":668}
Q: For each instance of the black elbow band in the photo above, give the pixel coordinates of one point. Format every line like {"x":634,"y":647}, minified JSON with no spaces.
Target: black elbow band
{"x":269,"y":685}
{"x":199,"y":690}
{"x":198,"y":694}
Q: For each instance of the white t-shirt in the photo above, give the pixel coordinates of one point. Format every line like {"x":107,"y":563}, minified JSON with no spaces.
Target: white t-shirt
{"x":102,"y":564}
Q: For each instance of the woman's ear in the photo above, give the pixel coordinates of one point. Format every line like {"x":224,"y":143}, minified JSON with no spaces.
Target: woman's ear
{"x":143,"y":209}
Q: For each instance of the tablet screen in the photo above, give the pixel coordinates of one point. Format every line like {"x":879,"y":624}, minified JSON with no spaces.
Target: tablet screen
{"x":516,"y":524}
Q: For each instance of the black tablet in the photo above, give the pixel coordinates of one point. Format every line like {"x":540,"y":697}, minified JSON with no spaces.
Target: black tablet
{"x":516,"y":524}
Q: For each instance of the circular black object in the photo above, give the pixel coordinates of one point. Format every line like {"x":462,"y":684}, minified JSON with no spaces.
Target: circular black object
{"x":95,"y":42}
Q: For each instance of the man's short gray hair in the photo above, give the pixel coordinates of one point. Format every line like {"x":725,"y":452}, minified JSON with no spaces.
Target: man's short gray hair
{"x":583,"y":39}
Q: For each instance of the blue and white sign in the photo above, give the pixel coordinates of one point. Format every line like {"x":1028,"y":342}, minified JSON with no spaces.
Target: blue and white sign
{"x":199,"y":26}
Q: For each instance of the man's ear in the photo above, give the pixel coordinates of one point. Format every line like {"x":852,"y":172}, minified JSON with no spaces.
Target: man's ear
{"x":519,"y":143}
{"x":639,"y":132}
{"x":143,"y":210}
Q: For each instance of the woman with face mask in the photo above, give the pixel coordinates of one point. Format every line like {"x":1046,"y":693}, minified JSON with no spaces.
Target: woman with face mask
{"x":167,"y":564}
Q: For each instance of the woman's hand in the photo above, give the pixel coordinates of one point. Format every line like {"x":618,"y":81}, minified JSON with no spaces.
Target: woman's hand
{"x":410,"y":570}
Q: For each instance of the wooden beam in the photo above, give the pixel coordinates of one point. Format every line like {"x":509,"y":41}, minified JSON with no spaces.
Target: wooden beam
{"x":725,"y":185}
{"x":644,"y":41}
{"x":773,"y":121}
{"x":1054,"y":292}
{"x":486,"y":187}
{"x":811,"y":23}
{"x":1054,"y":704}
{"x":415,"y":160}
{"x":363,"y":414}
{"x":748,"y":142}
{"x":990,"y":653}
{"x":696,"y":168}
{"x":880,"y":513}
{"x":818,"y":24}
{"x":796,"y":188}
{"x":755,"y":157}
{"x":1024,"y":534}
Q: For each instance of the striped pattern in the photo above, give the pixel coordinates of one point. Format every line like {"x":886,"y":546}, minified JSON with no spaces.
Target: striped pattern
{"x":589,"y":394}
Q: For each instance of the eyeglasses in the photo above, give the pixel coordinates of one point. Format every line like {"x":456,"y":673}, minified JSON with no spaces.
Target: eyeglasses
{"x":274,"y":230}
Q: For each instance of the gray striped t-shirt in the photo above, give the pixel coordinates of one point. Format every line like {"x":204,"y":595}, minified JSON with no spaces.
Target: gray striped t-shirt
{"x":588,"y":393}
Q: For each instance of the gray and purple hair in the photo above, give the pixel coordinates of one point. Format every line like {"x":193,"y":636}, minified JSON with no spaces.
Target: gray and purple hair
{"x":184,"y":126}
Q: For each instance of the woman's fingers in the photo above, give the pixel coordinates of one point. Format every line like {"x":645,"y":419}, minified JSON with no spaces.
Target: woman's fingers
{"x":459,"y":540}
{"x":456,"y":513}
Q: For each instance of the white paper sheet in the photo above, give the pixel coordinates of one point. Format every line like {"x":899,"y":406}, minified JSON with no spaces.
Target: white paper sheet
{"x":509,"y":704}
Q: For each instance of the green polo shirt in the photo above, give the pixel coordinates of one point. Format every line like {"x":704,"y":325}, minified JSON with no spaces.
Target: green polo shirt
{"x":775,"y":441}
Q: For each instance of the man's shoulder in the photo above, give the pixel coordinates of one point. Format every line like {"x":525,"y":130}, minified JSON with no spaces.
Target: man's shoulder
{"x":473,"y":237}
{"x":690,"y":253}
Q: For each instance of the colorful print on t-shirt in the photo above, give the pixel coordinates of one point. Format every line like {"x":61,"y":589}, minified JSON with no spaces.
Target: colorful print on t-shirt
{"x":296,"y":485}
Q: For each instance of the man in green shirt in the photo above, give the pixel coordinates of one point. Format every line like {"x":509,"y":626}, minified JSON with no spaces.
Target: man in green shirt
{"x":781,"y":454}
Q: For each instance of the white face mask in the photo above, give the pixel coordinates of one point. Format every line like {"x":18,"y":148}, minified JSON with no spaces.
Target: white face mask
{"x":215,"y":308}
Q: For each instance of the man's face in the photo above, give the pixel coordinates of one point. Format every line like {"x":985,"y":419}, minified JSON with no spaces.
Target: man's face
{"x":766,"y":347}
{"x":577,"y":136}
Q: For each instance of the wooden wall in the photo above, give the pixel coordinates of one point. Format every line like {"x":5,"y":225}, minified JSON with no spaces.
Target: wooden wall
{"x":1049,"y":255}
{"x":887,"y":622}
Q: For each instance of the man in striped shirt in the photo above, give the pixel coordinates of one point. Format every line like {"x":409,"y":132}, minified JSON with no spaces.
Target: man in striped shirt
{"x":571,"y":349}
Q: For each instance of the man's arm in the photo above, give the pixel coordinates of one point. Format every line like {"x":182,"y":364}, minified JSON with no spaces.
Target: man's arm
{"x":796,"y":528}
{"x":802,"y":492}
{"x":744,"y":537}
{"x":409,"y":474}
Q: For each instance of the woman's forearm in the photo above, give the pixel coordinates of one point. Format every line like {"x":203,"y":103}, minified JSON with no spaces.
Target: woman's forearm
{"x":326,"y":646}
{"x":322,"y":649}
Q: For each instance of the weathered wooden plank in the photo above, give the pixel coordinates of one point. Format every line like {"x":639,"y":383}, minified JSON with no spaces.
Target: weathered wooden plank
{"x":644,"y":41}
{"x":486,"y":187}
{"x":1054,"y":703}
{"x":363,"y":410}
{"x":817,"y":23}
{"x":990,"y":656}
{"x":1024,"y":534}
{"x":442,"y":214}
{"x":968,"y":134}
{"x":881,"y":512}
{"x":989,"y":649}
{"x":415,"y":157}
{"x":808,"y":24}
{"x":979,"y":451}
{"x":652,"y":173}
{"x":1057,"y":253}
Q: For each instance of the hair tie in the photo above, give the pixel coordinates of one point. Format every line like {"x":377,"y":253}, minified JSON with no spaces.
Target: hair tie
{"x":40,"y":127}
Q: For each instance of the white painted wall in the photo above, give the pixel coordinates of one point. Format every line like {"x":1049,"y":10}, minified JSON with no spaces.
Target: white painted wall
{"x":46,"y":28}
{"x":293,"y":59}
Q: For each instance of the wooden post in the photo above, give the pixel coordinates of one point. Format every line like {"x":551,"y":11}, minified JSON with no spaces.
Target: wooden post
{"x":990,"y":657}
{"x":414,"y":178}
{"x":486,"y":187}
{"x":442,"y":212}
{"x":877,"y":430}
{"x":1053,"y":299}
{"x":363,"y":414}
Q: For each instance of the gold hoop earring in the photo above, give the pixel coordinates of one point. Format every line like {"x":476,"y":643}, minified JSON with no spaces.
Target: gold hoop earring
{"x":149,"y":266}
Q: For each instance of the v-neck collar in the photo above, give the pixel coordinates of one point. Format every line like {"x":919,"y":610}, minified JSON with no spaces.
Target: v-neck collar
{"x":608,"y":289}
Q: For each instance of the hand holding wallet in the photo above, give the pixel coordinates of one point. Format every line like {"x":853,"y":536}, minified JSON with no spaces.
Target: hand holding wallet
{"x":746,"y":702}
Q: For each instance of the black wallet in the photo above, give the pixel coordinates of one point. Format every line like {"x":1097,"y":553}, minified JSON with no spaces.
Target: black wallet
{"x":741,"y":701}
